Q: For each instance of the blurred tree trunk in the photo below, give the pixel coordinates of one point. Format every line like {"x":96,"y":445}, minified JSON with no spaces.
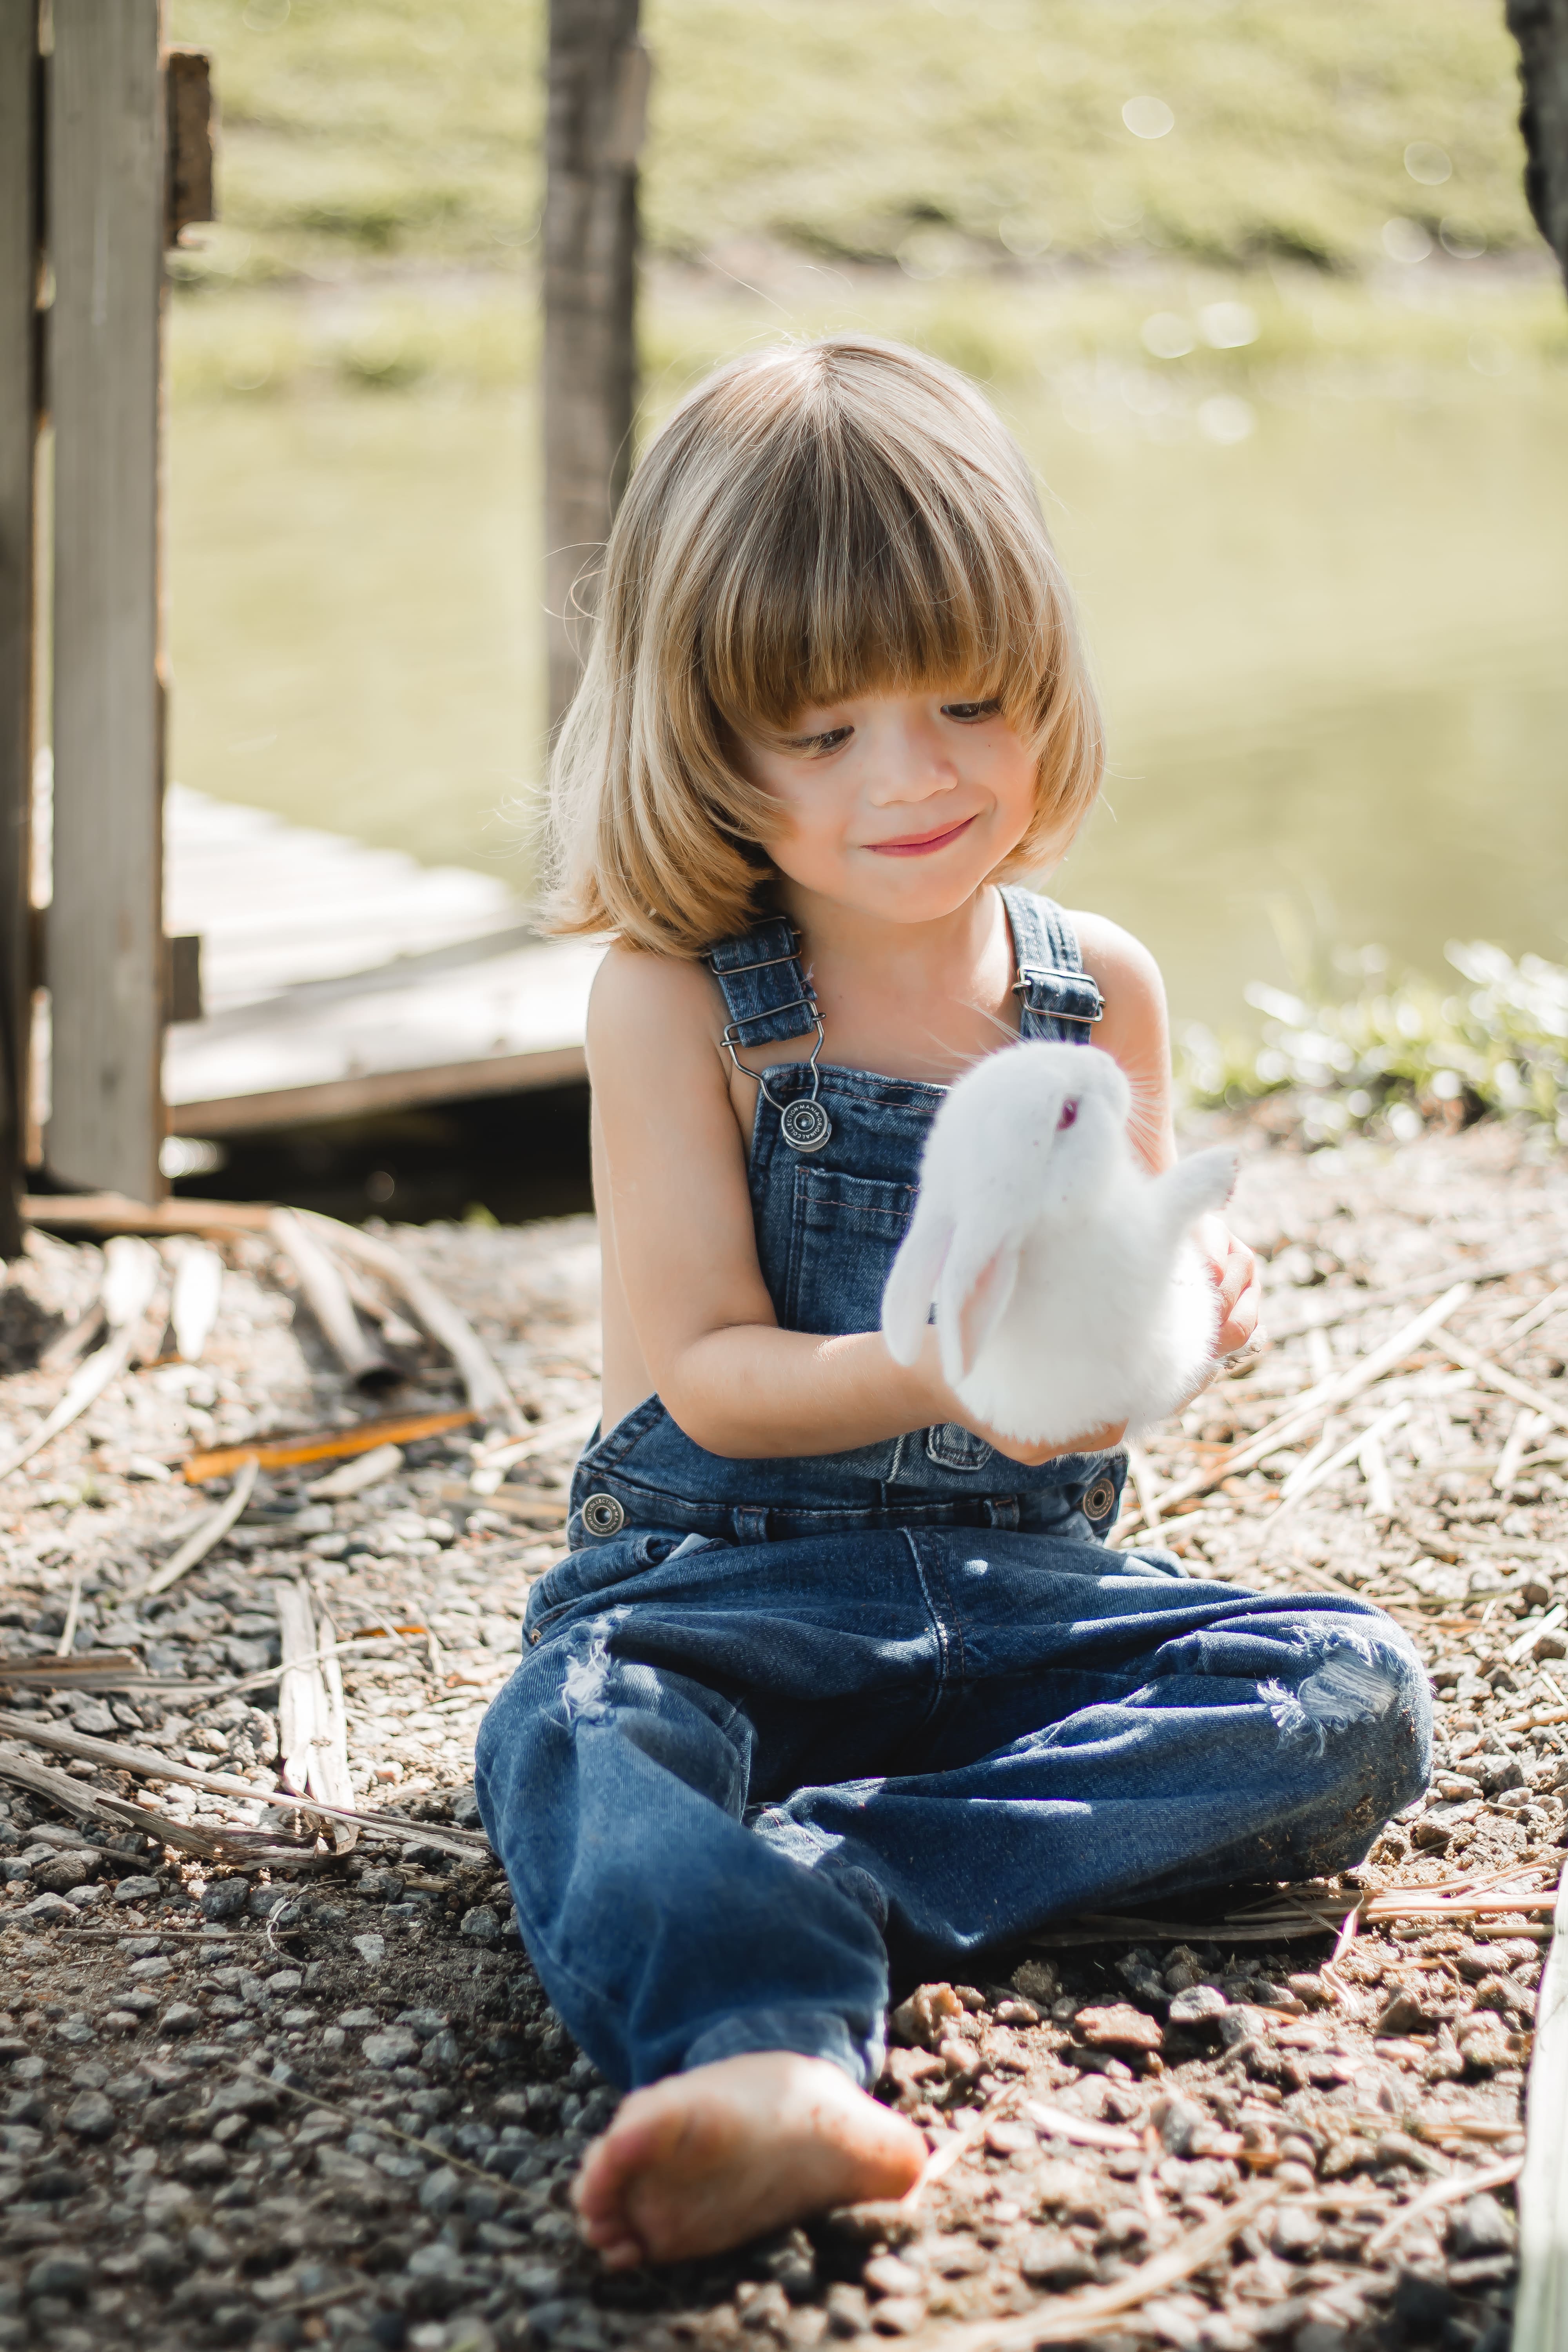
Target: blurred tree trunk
{"x":598,"y":79}
{"x":1540,"y":29}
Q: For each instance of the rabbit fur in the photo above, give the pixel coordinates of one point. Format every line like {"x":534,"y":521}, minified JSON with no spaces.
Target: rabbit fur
{"x":1068,"y":1294}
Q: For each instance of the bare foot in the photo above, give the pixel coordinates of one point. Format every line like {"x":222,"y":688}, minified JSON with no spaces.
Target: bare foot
{"x":704,"y":2161}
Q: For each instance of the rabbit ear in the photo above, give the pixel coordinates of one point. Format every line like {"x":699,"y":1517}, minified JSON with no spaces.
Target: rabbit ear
{"x":969,"y":1311}
{"x":911,"y":1285}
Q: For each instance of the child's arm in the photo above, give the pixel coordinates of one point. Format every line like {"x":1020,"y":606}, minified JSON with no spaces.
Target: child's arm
{"x":1136,"y":1030}
{"x":680,"y":1216}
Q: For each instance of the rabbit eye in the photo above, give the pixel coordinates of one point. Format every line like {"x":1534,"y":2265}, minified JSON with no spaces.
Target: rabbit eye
{"x":1069,"y":1112}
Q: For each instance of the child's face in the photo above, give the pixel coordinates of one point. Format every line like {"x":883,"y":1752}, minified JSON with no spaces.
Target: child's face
{"x":897,"y":804}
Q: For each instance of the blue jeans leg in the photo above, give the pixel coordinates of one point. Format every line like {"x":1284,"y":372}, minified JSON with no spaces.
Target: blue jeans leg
{"x":726,"y":1786}
{"x":665,"y":1933}
{"x":1269,"y":1746}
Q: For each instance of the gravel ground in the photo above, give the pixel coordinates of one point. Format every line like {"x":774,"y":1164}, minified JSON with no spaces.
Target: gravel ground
{"x":331,"y":2105}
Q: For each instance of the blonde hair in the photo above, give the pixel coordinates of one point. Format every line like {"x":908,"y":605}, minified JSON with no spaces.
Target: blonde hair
{"x":815,"y":521}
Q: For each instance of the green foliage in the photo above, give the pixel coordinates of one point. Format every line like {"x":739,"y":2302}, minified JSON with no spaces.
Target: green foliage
{"x":935,"y":133}
{"x":1391,"y":1056}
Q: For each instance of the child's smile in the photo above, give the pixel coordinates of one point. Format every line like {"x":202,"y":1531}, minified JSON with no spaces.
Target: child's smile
{"x":897,"y":804}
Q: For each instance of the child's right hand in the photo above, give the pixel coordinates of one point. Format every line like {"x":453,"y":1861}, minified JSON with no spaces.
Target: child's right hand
{"x":947,"y":1405}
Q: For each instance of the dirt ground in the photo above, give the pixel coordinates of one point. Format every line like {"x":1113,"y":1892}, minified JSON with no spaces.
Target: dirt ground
{"x":331,"y":2105}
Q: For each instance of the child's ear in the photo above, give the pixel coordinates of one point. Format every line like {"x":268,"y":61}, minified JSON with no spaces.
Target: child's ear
{"x":911,"y":1285}
{"x":980,"y":1308}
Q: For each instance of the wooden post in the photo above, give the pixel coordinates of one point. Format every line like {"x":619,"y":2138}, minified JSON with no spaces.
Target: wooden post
{"x":19,"y":228}
{"x":107,"y":211}
{"x":598,"y":80}
{"x":1540,"y":29}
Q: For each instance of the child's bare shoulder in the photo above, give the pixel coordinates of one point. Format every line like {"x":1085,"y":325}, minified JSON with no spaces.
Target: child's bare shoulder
{"x":1120,"y":963}
{"x":642,"y":1005}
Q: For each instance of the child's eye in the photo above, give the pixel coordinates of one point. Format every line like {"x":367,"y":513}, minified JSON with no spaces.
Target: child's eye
{"x":967,"y":713}
{"x":813,"y":747}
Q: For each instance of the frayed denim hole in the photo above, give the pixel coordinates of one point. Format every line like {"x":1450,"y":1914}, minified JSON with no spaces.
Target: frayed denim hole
{"x":1355,"y":1683}
{"x":582,"y":1685}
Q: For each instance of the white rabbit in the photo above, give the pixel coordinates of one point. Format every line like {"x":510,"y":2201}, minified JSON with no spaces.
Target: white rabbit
{"x":1068,"y":1295}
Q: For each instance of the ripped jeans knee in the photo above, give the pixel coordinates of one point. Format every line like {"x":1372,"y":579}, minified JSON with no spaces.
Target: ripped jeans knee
{"x":1361,"y":1712}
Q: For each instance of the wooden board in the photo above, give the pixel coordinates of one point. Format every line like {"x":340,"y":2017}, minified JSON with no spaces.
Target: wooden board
{"x":105,"y":934}
{"x":276,"y":904}
{"x":491,"y":1017}
{"x":1541,"y":2307}
{"x":18,"y":429}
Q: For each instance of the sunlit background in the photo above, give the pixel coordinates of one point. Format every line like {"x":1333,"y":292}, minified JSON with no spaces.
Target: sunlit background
{"x":1252,"y":279}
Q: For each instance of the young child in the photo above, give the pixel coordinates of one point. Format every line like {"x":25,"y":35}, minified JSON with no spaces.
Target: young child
{"x":835,"y":1686}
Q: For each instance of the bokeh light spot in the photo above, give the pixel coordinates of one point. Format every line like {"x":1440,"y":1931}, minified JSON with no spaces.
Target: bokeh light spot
{"x":1226,"y":419}
{"x":1427,"y":163}
{"x":1166,"y":335}
{"x":1148,"y":118}
{"x":1406,"y":241}
{"x":1229,"y":325}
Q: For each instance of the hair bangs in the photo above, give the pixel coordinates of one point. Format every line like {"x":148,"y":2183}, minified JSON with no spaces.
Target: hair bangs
{"x":859,"y":576}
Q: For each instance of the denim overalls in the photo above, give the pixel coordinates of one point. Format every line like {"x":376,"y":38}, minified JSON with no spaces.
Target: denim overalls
{"x":781,"y":1724}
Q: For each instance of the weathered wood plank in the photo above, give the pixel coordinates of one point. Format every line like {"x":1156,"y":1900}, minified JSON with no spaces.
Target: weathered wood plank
{"x":1541,"y":2307}
{"x":598,"y":81}
{"x":106,"y":948}
{"x":19,"y":167}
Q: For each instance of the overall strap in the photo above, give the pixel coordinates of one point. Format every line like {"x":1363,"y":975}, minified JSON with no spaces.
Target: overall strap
{"x":1059,"y":1000}
{"x":766,"y":993}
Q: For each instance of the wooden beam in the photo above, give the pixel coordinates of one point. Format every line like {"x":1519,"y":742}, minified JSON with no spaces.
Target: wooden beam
{"x":1541,"y":2306}
{"x":500,"y":1073}
{"x":107,"y":198}
{"x":19,"y":169}
{"x":1540,"y":29}
{"x":597,"y":100}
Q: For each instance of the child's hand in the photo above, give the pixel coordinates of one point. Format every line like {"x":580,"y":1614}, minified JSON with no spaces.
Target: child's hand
{"x":1233,"y":1269}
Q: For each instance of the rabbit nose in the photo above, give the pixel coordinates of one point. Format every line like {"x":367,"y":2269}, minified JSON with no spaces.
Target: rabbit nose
{"x":1069,"y":1112}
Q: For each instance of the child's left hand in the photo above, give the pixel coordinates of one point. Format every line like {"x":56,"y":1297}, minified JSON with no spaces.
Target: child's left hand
{"x":1233,"y":1269}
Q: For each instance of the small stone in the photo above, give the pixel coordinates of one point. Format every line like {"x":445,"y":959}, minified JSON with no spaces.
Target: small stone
{"x":923,"y":2019}
{"x":64,"y":1874}
{"x":481,"y":1925}
{"x":179,"y":2016}
{"x":48,"y":1910}
{"x":360,"y":2021}
{"x":1432,"y":1836}
{"x":1040,"y":1981}
{"x":889,"y":2274}
{"x":1120,"y":2027}
{"x":204,"y":2163}
{"x":63,"y":2274}
{"x":393,"y":2047}
{"x":847,"y":2312}
{"x":1010,"y":2140}
{"x":1422,"y":2303}
{"x":1403,"y":2013}
{"x":1199,"y":2008}
{"x":224,"y":1898}
{"x":381,"y":1885}
{"x":899,"y":2314}
{"x":90,"y":2116}
{"x":1049,"y":2258}
{"x":1176,"y":2120}
{"x":372,"y":1950}
{"x":439,"y":2191}
{"x":1479,"y":2227}
{"x":138,"y":1890}
{"x":1297,"y":2234}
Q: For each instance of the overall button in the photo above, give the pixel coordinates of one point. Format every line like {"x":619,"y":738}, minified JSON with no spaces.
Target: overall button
{"x":602,"y":1515}
{"x":1100,"y":1499}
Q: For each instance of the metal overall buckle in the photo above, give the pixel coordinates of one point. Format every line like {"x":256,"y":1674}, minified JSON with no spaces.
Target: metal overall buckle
{"x":803,"y":1123}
